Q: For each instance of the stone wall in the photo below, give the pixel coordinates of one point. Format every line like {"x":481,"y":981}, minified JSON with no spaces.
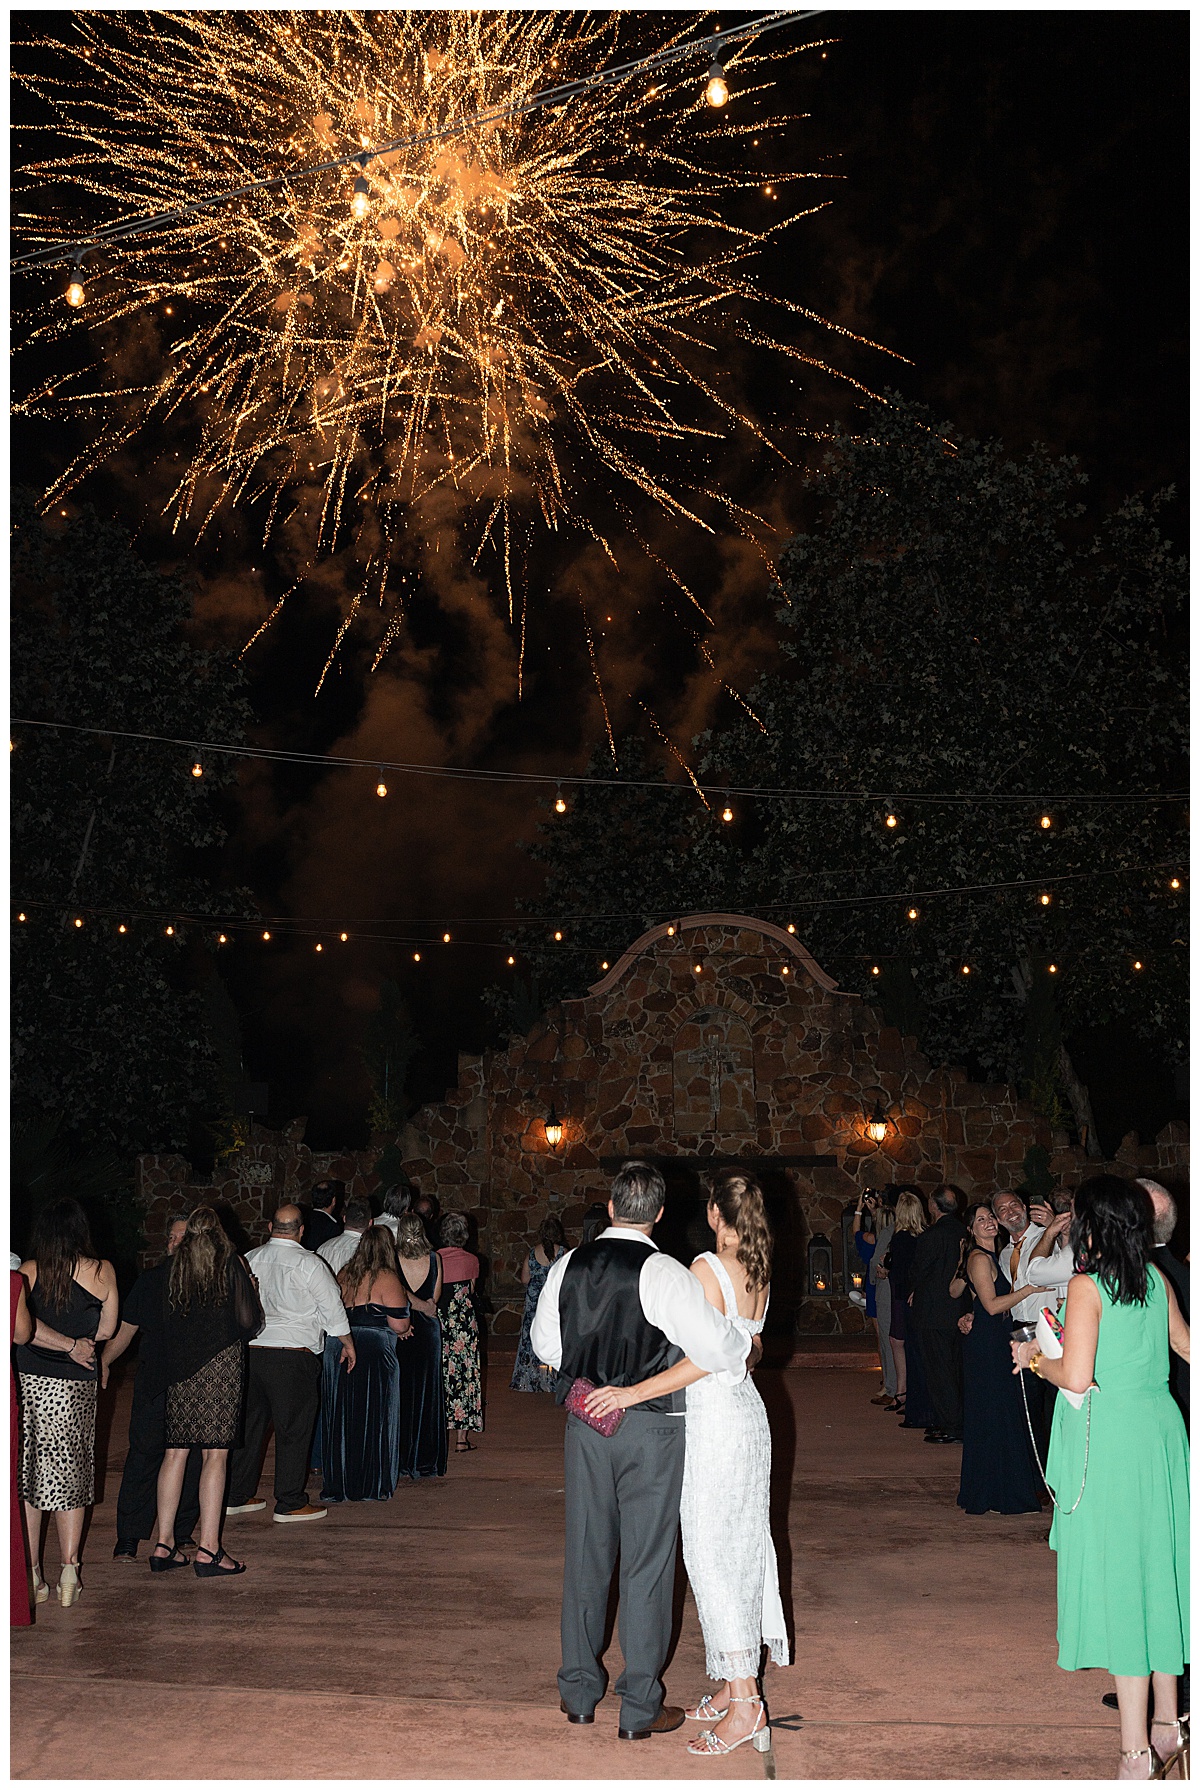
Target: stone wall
{"x":716,"y":1040}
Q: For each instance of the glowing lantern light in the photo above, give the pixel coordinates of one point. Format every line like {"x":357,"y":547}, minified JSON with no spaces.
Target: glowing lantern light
{"x":717,"y":91}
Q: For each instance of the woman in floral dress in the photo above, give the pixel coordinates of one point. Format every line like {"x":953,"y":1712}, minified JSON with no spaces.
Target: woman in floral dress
{"x":461,"y":1374}
{"x":528,"y":1373}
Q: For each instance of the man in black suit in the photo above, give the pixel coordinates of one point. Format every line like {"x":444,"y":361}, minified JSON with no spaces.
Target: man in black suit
{"x":935,"y":1314}
{"x":324,"y":1224}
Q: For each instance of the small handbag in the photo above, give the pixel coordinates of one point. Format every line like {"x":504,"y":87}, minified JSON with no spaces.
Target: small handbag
{"x":580,"y":1391}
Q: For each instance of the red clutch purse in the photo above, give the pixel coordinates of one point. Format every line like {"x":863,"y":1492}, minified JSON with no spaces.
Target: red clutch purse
{"x":574,"y":1401}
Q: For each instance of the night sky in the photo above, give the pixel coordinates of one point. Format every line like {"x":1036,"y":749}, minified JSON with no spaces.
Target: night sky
{"x":1008,"y":210}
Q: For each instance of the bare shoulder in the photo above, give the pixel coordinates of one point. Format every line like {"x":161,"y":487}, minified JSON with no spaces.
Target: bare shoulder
{"x":708,"y":1281}
{"x":29,"y":1270}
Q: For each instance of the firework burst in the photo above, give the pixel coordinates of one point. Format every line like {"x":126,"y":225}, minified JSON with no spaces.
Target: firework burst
{"x":515,"y":328}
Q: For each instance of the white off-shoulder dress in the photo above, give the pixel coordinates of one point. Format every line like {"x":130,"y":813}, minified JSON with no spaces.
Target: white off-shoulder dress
{"x":724,"y":1513}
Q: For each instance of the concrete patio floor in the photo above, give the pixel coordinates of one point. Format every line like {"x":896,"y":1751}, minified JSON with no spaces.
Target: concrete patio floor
{"x":419,"y":1638}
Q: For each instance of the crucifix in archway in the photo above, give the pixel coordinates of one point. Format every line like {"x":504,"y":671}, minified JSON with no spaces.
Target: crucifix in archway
{"x":714,"y":1079}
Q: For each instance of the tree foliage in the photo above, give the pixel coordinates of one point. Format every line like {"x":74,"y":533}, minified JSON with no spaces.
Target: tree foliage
{"x":389,"y":1046}
{"x":948,"y":629}
{"x":105,"y":1030}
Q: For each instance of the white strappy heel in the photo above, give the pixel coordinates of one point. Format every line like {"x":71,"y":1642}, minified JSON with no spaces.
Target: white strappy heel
{"x":759,"y":1737}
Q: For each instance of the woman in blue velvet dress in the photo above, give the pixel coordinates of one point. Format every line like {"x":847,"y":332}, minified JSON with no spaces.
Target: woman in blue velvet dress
{"x":360,"y":1410}
{"x":997,"y":1467}
{"x":423,"y":1436}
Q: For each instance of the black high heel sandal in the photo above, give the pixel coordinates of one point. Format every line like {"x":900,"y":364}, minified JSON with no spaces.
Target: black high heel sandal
{"x":166,"y":1562}
{"x":214,"y":1569}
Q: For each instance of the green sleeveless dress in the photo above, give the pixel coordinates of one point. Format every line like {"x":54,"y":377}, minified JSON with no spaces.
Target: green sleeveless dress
{"x":1123,"y":1555}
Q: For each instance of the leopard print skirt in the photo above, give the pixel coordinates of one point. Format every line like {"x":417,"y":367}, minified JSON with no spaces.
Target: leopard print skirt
{"x":58,"y":1442}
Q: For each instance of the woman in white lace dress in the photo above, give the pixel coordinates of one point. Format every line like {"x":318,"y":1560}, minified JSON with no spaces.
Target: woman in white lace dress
{"x":727,"y":1544}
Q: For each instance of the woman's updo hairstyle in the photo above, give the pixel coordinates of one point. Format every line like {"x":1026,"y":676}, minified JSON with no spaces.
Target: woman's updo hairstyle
{"x":1112,"y":1236}
{"x":739,"y":1201}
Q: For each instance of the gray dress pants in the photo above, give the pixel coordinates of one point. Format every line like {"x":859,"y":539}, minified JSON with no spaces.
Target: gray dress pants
{"x":622,"y":1496}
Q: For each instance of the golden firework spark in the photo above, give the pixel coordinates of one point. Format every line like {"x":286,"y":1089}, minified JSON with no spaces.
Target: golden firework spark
{"x":474,"y":337}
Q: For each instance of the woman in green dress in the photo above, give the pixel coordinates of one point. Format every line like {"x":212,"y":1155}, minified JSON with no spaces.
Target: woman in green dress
{"x":1118,"y":1467}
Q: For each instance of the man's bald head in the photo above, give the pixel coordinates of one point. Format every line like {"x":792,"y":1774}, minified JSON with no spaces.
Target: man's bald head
{"x":1166,"y":1215}
{"x":288,"y":1222}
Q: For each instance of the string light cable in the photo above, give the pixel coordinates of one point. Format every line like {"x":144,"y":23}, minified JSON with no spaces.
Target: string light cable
{"x":343,"y":931}
{"x":361,"y":158}
{"x":463,"y":773}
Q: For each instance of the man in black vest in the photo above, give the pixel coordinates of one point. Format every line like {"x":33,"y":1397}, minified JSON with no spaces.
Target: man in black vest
{"x":935,"y":1314}
{"x":617,"y":1311}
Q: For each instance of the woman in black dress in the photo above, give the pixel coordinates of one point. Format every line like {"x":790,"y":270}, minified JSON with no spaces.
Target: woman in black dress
{"x":210,"y":1314}
{"x":360,"y":1411}
{"x":423,"y":1440}
{"x":997,"y":1473}
{"x":73,"y":1301}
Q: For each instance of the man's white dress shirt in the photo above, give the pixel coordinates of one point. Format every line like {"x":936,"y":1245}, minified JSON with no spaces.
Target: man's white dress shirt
{"x":672,"y":1300}
{"x":300,"y":1297}
{"x":1026,"y":1311}
{"x":1053,"y":1272}
{"x":338,"y":1250}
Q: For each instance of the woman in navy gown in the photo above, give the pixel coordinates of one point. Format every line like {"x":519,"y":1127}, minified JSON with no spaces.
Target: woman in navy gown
{"x":997,"y":1472}
{"x":360,"y":1410}
{"x":423,"y":1436}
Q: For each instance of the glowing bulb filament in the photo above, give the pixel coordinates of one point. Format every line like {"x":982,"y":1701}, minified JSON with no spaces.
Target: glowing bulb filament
{"x":717,"y":91}
{"x":75,"y":294}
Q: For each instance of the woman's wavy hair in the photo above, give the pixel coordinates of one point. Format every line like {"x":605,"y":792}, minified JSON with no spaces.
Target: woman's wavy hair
{"x":61,"y":1240}
{"x":376,"y":1254}
{"x":972,"y":1212}
{"x":910,"y":1214}
{"x":200,"y":1266}
{"x":454,"y":1232}
{"x":551,"y":1235}
{"x":739,"y":1201}
{"x":1112,"y":1235}
{"x":412,"y":1239}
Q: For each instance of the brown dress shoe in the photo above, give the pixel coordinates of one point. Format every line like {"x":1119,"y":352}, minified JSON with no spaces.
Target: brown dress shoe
{"x":665,"y":1722}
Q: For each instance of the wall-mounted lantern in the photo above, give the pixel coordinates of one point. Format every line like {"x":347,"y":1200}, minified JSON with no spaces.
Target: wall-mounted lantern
{"x":820,"y":1267}
{"x":553,"y":1128}
{"x":876,"y":1123}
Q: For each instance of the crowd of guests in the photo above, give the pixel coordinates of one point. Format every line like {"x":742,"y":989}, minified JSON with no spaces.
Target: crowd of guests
{"x":348,"y":1334}
{"x":1051,"y":1340}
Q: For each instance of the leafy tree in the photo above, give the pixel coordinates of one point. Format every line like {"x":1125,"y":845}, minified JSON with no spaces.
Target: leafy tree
{"x":948,"y":631}
{"x":389,"y":1046}
{"x":105,"y":1030}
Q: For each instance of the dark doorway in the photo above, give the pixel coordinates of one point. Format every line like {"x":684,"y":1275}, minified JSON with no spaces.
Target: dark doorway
{"x":683,"y":1230}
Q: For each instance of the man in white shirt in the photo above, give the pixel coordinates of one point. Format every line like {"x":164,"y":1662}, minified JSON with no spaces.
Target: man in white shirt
{"x":301,"y":1304}
{"x":1011,"y":1211}
{"x":1051,"y":1263}
{"x":396,"y":1202}
{"x":617,"y":1311}
{"x":338,"y":1250}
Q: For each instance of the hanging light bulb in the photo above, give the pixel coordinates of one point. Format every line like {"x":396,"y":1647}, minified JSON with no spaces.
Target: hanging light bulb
{"x":170,"y":930}
{"x":21,"y":917}
{"x":785,"y":971}
{"x":698,"y":969}
{"x":889,"y":820}
{"x":791,"y":926}
{"x":266,"y":938}
{"x":445,"y":938}
{"x":966,"y":969}
{"x":604,"y":964}
{"x":75,"y":293}
{"x":122,"y":927}
{"x":381,"y":786}
{"x":874,"y":969}
{"x":560,"y":806}
{"x":1137,"y":963}
{"x":221,"y":939}
{"x":343,"y":936}
{"x":1053,"y":968}
{"x":1044,"y":898}
{"x":727,"y":814}
{"x":318,"y":947}
{"x":78,"y":921}
{"x":416,"y":957}
{"x":558,"y":938}
{"x":1175,"y":884}
{"x":511,"y":962}
{"x":717,"y":91}
{"x":197,"y":769}
{"x":360,"y":201}
{"x":671,"y":931}
{"x":1046,"y":823}
{"x":914,"y":913}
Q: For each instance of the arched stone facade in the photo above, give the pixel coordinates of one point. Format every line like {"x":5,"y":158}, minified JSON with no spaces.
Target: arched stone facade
{"x":715,"y":1040}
